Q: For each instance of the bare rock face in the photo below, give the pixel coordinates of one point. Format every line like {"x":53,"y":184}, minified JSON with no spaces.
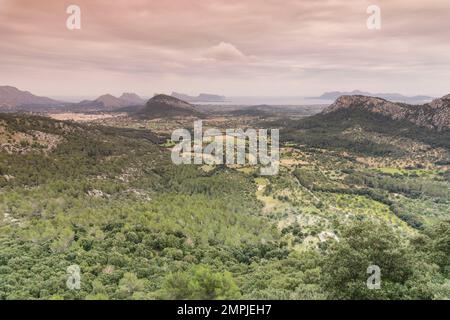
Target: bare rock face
{"x":438,"y":113}
{"x":433,"y":115}
{"x":376,"y":105}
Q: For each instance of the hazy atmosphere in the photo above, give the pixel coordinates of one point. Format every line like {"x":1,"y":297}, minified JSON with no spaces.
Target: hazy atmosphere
{"x":234,"y":48}
{"x":262,"y":152}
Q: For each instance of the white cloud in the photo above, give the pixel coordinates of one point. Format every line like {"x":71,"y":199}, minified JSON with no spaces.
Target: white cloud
{"x":225,"y":52}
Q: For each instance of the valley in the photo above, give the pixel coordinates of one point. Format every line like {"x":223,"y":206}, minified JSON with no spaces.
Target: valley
{"x":100,"y":191}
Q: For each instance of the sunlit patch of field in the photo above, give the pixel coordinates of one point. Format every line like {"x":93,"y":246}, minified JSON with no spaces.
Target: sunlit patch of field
{"x":407,"y":172}
{"x":247,"y":170}
{"x":270,"y":203}
{"x":84,"y":117}
{"x":356,"y":205}
{"x":291,"y":163}
{"x":207,"y":168}
{"x":427,"y":210}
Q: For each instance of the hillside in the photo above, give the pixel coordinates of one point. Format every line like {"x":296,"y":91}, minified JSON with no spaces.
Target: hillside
{"x":112,"y":198}
{"x":11,"y":98}
{"x":108,"y":102}
{"x":139,"y":227}
{"x":375,"y":127}
{"x":433,"y":115}
{"x":163,"y":106}
{"x":394,"y":97}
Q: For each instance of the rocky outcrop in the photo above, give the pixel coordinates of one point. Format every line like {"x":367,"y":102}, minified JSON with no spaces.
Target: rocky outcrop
{"x":433,"y":115}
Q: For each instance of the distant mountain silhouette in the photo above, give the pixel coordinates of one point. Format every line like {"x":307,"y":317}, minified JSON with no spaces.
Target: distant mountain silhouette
{"x":12,"y":98}
{"x":202,"y":97}
{"x":164,"y":106}
{"x":132,"y":98}
{"x":395,"y":97}
{"x":109,"y":102}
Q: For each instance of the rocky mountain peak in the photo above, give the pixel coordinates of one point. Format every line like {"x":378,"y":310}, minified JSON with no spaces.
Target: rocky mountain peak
{"x":433,"y":115}
{"x":372,"y":104}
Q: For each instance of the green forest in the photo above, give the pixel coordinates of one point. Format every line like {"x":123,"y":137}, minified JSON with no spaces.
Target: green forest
{"x":110,"y":201}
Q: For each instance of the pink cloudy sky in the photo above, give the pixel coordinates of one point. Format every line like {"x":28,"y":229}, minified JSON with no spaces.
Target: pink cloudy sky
{"x":230,"y":47}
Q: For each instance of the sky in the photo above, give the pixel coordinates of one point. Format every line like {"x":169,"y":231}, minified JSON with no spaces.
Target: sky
{"x":228,"y":47}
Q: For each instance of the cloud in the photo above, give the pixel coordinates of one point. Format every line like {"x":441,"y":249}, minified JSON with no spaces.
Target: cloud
{"x":225,"y":52}
{"x":225,"y":46}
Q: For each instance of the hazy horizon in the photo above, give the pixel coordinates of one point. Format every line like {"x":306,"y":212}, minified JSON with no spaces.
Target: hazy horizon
{"x":230,"y":100}
{"x":245,"y":100}
{"x":232,"y":48}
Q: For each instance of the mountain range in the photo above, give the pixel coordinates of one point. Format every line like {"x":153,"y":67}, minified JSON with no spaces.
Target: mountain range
{"x":109,"y":102}
{"x":11,"y":98}
{"x":202,"y":97}
{"x":395,"y":97}
{"x":433,"y":115}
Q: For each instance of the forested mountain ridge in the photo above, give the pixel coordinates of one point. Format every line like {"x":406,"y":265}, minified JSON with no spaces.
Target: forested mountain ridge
{"x":433,"y":115}
{"x":375,"y":127}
